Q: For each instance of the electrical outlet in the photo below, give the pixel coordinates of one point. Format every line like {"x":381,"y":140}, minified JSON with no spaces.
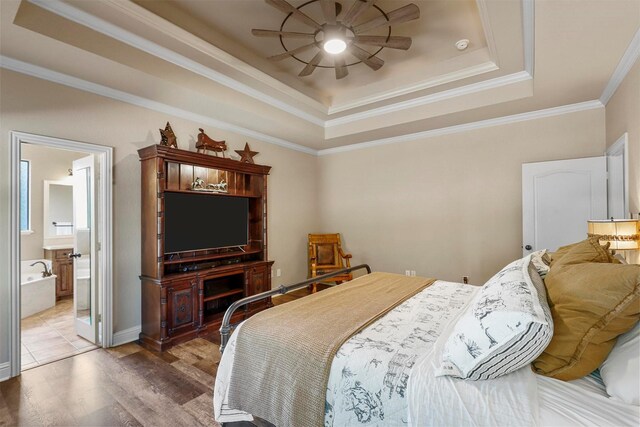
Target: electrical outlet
{"x":413,"y":273}
{"x":278,"y":273}
{"x":465,"y":279}
{"x":407,"y":272}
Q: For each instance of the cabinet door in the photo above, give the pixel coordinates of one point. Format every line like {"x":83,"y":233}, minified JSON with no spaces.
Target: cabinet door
{"x":259,"y":282}
{"x":65,"y":278}
{"x":182,"y":300}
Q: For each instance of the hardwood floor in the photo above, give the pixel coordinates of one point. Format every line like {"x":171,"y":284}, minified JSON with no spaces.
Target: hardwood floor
{"x":122,"y":386}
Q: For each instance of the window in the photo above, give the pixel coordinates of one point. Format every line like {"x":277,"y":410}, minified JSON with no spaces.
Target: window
{"x":25,"y":196}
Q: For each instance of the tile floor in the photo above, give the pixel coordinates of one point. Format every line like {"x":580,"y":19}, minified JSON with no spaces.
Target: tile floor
{"x":50,"y":335}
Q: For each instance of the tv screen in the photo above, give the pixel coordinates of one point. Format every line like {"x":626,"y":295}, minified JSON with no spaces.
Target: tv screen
{"x":203,"y":221}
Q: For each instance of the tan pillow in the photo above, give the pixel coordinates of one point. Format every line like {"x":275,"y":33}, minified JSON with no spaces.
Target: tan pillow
{"x":588,"y":250}
{"x":591,"y":304}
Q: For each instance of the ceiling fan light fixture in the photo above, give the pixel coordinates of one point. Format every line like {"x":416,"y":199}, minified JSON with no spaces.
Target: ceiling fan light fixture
{"x":340,"y":37}
{"x":334,"y":46}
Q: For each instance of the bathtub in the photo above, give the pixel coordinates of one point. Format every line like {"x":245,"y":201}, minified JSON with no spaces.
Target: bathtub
{"x":37,"y":293}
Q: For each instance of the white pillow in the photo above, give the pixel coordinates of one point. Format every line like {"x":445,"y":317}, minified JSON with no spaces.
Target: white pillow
{"x":537,"y":258}
{"x":620,"y":372}
{"x":506,"y":326}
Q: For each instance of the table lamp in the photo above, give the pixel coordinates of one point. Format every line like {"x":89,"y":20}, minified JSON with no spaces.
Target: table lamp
{"x":623,"y":234}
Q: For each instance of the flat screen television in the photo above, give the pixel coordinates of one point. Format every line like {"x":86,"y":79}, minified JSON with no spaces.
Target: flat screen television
{"x":195,"y":222}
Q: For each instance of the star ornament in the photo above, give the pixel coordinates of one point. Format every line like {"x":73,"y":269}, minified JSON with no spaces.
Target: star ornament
{"x":246,"y":155}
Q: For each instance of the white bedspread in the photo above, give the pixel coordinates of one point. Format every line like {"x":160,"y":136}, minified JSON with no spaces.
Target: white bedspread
{"x":582,"y":402}
{"x":382,"y":375}
{"x":510,"y":400}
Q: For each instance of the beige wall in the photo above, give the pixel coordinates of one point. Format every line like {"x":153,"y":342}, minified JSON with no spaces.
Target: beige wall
{"x":450,"y":205}
{"x":445,"y":206}
{"x":623,"y":115}
{"x":36,"y":106}
{"x":46,"y":164}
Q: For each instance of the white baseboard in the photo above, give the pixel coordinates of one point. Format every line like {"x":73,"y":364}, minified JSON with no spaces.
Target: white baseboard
{"x":5,"y":371}
{"x":128,"y":335}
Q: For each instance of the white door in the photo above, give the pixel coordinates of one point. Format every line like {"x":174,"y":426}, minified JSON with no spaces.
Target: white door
{"x":558,"y":198}
{"x":85,"y":295}
{"x":617,"y":182}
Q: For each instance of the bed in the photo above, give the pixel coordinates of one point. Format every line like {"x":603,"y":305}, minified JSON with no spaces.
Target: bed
{"x":388,"y":374}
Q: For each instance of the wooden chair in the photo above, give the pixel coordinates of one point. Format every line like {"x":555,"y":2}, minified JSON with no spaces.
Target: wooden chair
{"x":326,"y":256}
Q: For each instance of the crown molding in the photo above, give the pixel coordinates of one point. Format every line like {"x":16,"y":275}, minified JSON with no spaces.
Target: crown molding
{"x":425,"y":84}
{"x":154,"y":21}
{"x":84,"y":85}
{"x":488,"y":31}
{"x":76,"y":83}
{"x":531,"y":115}
{"x":83,"y":18}
{"x":430,"y":99}
{"x":627,"y":61}
{"x":528,"y":34}
{"x":150,"y":20}
{"x":528,"y":37}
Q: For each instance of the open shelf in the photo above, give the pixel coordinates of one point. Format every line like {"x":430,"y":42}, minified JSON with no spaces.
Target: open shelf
{"x":226,"y":293}
{"x":215,"y":309}
{"x":222,"y":287}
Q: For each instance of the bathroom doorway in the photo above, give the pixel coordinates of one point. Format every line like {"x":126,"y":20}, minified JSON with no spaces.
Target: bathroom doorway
{"x":61,"y":260}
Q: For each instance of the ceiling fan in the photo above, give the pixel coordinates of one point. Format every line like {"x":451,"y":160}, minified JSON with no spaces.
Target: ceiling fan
{"x":336,"y":37}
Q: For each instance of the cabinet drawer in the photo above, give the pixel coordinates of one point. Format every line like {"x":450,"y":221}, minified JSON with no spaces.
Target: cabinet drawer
{"x":62,"y":253}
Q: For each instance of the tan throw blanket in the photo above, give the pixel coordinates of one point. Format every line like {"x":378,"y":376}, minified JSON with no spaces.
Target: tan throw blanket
{"x":283,"y":355}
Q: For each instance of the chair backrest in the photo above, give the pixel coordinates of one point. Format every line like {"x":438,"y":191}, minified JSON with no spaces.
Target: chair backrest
{"x":325,"y":248}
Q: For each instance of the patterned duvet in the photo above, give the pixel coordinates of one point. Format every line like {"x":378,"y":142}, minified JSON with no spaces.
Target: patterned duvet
{"x":369,"y":374}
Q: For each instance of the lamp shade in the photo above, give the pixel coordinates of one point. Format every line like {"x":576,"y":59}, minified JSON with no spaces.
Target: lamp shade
{"x":623,"y":234}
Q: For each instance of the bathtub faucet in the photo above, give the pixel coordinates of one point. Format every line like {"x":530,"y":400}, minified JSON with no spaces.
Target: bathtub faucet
{"x":46,"y":272}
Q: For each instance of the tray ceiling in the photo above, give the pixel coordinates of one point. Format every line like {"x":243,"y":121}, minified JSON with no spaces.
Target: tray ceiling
{"x":197,"y":59}
{"x":227,"y":24}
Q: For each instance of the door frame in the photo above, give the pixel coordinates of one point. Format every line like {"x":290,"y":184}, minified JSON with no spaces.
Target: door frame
{"x":104,"y":156}
{"x":620,"y":146}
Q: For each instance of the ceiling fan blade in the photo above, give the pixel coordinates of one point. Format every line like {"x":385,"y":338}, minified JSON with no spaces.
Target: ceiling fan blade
{"x":357,"y":8}
{"x":398,"y":16}
{"x":372,"y":61}
{"x":285,"y":34}
{"x":341,"y":67}
{"x":311,"y":66}
{"x":329,"y":11}
{"x":286,"y":7}
{"x":292,"y":52}
{"x":394,"y":42}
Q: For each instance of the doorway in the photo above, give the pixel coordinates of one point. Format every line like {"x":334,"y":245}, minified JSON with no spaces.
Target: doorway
{"x":618,"y":179}
{"x":60,"y":249}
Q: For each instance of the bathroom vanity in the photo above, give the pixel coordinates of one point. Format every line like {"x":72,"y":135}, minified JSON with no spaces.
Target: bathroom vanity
{"x":62,"y":267}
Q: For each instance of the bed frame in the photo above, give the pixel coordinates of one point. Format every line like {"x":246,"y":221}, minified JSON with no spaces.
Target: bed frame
{"x":227,"y":327}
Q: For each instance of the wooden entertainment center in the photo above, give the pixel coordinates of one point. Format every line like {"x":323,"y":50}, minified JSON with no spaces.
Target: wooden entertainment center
{"x":185,"y":294}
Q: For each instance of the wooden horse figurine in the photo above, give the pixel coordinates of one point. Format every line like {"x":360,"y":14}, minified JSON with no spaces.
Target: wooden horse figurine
{"x":205,"y":143}
{"x":168,"y":137}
